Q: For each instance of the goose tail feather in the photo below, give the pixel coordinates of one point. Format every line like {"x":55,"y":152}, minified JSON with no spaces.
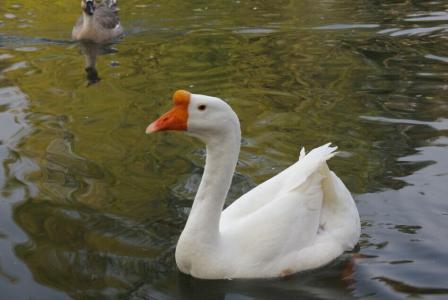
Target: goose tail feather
{"x":113,"y":5}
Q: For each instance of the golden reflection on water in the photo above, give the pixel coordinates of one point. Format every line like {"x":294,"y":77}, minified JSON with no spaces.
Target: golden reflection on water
{"x":91,"y":208}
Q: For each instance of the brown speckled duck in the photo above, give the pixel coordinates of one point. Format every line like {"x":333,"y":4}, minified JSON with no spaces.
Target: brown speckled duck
{"x":98,"y":23}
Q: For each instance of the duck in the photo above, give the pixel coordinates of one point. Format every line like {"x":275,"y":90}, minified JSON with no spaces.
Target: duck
{"x":99,"y":22}
{"x":301,"y":219}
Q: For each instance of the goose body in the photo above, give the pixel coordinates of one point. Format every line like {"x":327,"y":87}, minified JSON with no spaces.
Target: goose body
{"x":301,"y":219}
{"x":99,"y":22}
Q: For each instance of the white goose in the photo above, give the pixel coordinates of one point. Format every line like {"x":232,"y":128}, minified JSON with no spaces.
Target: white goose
{"x":300,"y":219}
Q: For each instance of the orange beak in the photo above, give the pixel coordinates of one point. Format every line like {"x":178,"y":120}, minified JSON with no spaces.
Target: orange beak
{"x":176,"y":118}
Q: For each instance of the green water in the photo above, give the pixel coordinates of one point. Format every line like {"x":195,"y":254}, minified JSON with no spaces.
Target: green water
{"x":91,"y":208}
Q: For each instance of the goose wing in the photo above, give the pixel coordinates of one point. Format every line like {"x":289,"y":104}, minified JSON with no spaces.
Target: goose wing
{"x":107,"y":17}
{"x":282,"y":184}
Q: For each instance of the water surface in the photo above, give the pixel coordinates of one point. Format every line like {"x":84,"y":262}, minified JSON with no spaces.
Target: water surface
{"x":91,"y":208}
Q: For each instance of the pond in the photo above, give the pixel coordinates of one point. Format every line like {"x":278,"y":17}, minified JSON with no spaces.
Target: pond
{"x":91,"y":208}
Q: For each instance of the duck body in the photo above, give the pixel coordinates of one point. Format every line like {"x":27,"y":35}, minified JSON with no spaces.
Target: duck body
{"x":301,"y":219}
{"x":99,"y":23}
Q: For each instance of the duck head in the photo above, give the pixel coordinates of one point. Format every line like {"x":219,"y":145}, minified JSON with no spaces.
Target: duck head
{"x":88,"y":6}
{"x":201,"y":116}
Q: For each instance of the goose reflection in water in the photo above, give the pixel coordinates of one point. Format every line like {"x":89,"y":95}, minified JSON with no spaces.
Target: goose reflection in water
{"x":90,"y":51}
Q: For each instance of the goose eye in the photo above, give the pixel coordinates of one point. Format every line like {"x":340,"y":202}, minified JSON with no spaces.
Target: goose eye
{"x":202,"y":107}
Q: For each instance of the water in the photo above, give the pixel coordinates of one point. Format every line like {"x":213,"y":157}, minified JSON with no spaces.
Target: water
{"x":91,"y":208}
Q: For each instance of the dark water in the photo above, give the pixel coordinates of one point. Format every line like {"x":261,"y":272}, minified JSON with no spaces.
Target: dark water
{"x":91,"y":208}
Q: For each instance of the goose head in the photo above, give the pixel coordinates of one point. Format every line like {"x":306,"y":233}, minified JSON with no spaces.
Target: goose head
{"x":88,"y":6}
{"x":207,"y":118}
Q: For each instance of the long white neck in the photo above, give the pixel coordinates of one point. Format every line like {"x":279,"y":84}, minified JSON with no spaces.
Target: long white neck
{"x":222,"y":157}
